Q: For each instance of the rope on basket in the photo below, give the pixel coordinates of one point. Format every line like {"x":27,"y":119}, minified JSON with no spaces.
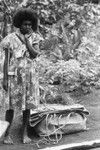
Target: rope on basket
{"x":57,"y":138}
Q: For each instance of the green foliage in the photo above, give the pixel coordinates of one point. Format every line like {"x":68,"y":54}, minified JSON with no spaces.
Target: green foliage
{"x":72,"y":28}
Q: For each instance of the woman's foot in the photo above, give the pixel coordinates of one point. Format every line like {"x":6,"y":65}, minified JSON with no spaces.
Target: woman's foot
{"x":8,"y":140}
{"x":26,"y":140}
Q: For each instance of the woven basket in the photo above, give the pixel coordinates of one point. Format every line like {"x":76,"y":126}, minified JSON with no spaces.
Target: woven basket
{"x":62,"y":120}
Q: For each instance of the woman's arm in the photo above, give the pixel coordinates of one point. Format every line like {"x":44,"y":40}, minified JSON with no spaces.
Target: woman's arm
{"x":77,"y":39}
{"x":57,"y":53}
{"x":32,"y":50}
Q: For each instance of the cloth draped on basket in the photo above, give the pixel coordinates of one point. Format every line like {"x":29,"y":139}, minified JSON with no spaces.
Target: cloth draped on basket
{"x":58,"y":120}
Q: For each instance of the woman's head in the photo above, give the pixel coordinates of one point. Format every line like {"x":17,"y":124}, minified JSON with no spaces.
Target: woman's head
{"x":25,"y":19}
{"x":26,"y":27}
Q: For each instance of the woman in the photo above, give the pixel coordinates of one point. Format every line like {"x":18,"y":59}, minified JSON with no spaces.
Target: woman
{"x":20,"y":48}
{"x":71,"y":29}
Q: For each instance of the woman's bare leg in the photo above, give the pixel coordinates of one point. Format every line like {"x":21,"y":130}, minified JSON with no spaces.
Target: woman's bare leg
{"x":26,"y":115}
{"x":8,"y":117}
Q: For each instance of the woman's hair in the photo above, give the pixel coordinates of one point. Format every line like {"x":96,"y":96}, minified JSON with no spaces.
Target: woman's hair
{"x":24,"y":14}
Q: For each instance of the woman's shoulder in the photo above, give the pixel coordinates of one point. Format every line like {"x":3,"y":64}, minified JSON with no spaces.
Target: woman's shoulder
{"x":9,"y":37}
{"x":7,"y":40}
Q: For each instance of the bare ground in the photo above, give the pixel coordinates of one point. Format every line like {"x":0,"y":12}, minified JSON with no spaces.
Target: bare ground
{"x":90,"y":101}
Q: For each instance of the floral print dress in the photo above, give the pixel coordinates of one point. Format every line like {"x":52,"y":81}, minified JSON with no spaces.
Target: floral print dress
{"x":23,"y":80}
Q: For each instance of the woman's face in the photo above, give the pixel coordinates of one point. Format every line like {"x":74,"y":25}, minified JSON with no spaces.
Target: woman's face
{"x":73,"y":16}
{"x":26,"y":27}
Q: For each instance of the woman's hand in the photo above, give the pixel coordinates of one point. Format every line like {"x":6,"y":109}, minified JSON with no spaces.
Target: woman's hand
{"x":27,"y":42}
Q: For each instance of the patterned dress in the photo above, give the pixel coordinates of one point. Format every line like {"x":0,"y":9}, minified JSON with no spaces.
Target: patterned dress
{"x":23,"y":80}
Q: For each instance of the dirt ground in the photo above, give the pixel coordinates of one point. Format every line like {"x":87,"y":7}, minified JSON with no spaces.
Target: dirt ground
{"x":90,"y":101}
